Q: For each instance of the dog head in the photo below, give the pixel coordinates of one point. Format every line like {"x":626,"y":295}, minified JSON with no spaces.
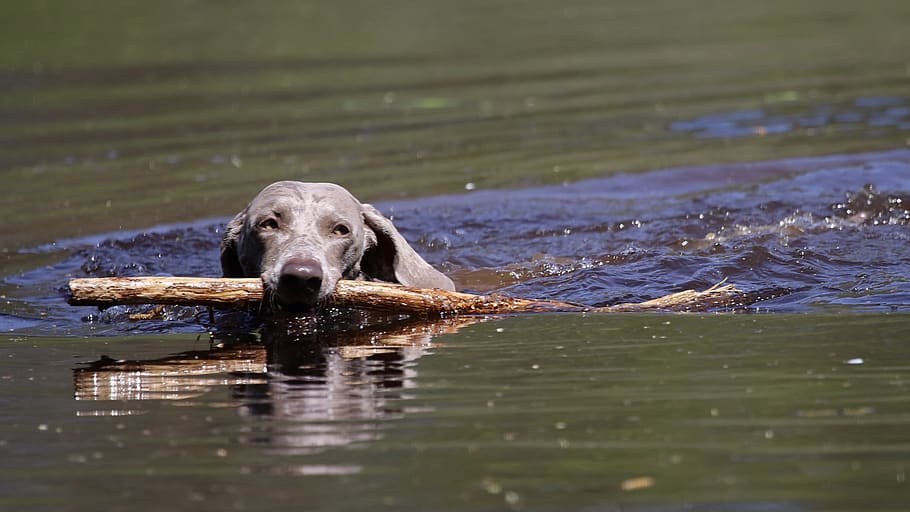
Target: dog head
{"x":302,"y":238}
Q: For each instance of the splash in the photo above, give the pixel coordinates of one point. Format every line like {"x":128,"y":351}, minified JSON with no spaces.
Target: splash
{"x":799,"y":235}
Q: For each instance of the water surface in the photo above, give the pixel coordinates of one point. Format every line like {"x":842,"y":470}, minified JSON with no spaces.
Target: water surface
{"x":803,"y":409}
{"x":593,"y":152}
{"x":578,"y":412}
{"x":124,"y":115}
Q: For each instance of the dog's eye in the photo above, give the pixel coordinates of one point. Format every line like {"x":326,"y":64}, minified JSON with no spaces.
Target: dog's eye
{"x":268,"y":224}
{"x":341,"y":230}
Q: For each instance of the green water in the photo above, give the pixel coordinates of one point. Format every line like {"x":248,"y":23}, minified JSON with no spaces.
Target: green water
{"x":130,"y":114}
{"x":533,"y":413}
{"x":125,"y":115}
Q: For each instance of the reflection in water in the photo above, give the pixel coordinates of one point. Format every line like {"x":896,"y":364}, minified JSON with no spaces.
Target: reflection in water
{"x":175,"y":377}
{"x":319,"y":386}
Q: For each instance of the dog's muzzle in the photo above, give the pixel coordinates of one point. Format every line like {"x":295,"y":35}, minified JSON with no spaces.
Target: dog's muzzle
{"x":299,"y":283}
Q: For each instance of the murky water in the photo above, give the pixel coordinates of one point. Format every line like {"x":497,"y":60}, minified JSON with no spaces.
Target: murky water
{"x":587,"y":152}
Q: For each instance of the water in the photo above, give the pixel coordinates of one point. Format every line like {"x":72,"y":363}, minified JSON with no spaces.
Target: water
{"x":799,"y":235}
{"x":586,"y":152}
{"x":579,"y":412}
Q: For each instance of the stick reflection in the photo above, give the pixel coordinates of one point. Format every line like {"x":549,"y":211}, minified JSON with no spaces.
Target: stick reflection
{"x":316,"y":387}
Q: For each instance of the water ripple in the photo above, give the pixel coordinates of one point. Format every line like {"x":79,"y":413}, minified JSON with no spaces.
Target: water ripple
{"x":801,"y":234}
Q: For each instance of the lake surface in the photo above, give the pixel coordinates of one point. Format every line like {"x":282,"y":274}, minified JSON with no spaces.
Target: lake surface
{"x":632,"y":412}
{"x":591,"y":152}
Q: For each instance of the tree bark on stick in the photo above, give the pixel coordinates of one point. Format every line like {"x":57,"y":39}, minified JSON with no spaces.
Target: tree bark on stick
{"x":387,"y":297}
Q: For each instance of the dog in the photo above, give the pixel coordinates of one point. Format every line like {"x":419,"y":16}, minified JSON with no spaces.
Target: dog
{"x":302,"y":238}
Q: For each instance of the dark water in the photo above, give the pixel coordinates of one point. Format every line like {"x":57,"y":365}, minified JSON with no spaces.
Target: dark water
{"x":593,"y":152}
{"x":799,"y":235}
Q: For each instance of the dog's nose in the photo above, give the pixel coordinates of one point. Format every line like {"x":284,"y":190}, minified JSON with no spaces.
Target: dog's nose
{"x":299,"y":282}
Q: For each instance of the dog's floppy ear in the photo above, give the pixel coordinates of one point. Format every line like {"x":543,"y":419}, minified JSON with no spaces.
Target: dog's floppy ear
{"x":388,"y":257}
{"x":230,"y":260}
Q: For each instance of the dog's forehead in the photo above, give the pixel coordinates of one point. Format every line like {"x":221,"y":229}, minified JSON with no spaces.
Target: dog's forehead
{"x":299,"y":195}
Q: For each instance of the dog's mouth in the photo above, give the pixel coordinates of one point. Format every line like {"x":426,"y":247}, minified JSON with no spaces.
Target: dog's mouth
{"x":281,"y":300}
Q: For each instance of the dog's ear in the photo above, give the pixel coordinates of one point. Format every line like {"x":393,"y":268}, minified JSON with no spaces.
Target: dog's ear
{"x":230,"y":259}
{"x":388,"y":257}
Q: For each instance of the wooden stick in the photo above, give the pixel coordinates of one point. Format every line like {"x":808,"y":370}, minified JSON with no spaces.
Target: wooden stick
{"x":394,"y":298}
{"x":185,"y":291}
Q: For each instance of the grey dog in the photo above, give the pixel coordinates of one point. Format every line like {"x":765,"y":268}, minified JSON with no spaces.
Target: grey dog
{"x":302,"y":238}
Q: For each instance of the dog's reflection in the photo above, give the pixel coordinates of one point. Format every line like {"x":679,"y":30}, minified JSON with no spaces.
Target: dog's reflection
{"x":318,"y":387}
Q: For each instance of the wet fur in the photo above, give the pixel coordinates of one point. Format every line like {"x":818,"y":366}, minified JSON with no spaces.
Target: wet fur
{"x":320,"y":223}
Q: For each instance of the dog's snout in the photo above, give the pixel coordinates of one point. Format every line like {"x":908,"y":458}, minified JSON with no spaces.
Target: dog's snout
{"x":299,"y":282}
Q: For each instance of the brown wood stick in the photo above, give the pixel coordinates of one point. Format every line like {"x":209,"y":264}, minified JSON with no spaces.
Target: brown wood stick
{"x":393,"y":298}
